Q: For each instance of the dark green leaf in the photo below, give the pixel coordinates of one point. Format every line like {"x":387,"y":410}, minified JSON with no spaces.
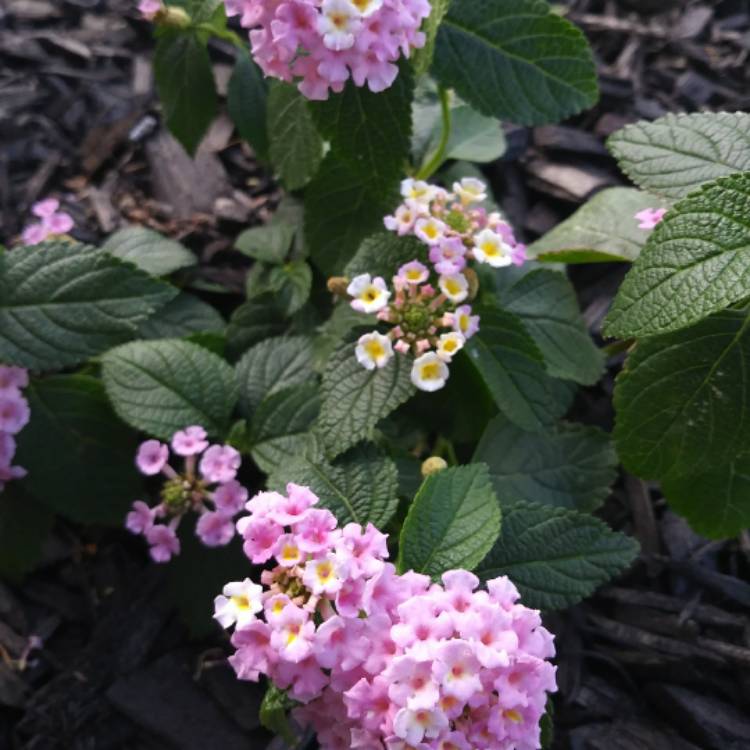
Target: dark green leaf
{"x":152,"y":253}
{"x":269,"y":243}
{"x":452,"y":523}
{"x":556,"y":557}
{"x":164,"y":386}
{"x":568,"y":465}
{"x":184,"y":316}
{"x":383,"y":253}
{"x":61,"y":303}
{"x":273,"y":714}
{"x":515,"y":60}
{"x":292,"y":284}
{"x":187,"y":90}
{"x":246,"y":102}
{"x":257,"y":319}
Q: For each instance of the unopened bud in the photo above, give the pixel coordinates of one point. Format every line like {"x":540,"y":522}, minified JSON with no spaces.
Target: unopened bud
{"x":473,"y":279}
{"x":433,"y":465}
{"x":338,"y":285}
{"x":173,"y":16}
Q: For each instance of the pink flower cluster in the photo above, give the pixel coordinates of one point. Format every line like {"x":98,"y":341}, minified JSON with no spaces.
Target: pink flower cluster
{"x":149,"y":8}
{"x":650,"y":217}
{"x":14,"y":416}
{"x":53,"y":222}
{"x":322,"y":43}
{"x":381,"y":660}
{"x":207,"y":486}
{"x":454,"y":227}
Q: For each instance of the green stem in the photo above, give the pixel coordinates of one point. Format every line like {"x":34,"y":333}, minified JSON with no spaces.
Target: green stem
{"x":444,"y":448}
{"x":432,"y":166}
{"x":226,"y":34}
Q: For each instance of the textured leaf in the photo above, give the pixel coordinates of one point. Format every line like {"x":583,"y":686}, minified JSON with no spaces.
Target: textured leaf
{"x":296,"y":148}
{"x":259,"y":318}
{"x":360,"y":486}
{"x":78,"y":454}
{"x":515,"y":60}
{"x":354,"y":400}
{"x":546,"y":303}
{"x":682,"y":399}
{"x":281,"y":424}
{"x":381,"y":255}
{"x":696,"y":262}
{"x":273,"y":714}
{"x":511,"y":366}
{"x":183,"y":316}
{"x":716,"y":502}
{"x":556,"y":557}
{"x":269,"y":243}
{"x":62,"y":303}
{"x":185,"y":80}
{"x":603,"y":230}
{"x":568,"y":465}
{"x":676,"y":154}
{"x":340,"y":211}
{"x":370,"y":132}
{"x":292,"y":284}
{"x":164,"y":386}
{"x":271,"y":366}
{"x":152,"y":253}
{"x":330,"y":334}
{"x":452,"y":523}
{"x":246,"y":102}
{"x":423,"y":57}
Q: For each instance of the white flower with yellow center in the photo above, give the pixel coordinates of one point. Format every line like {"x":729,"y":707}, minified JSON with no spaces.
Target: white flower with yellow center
{"x":470,"y":190}
{"x":449,"y":345}
{"x":429,"y":372}
{"x":373,"y":350}
{"x":323,"y":576}
{"x":287,"y":552}
{"x":490,"y":248}
{"x":338,"y":23}
{"x":430,"y":230}
{"x":367,"y":7}
{"x":238,"y":602}
{"x":402,"y":220}
{"x":455,"y":287}
{"x":418,"y":191}
{"x":368,"y":295}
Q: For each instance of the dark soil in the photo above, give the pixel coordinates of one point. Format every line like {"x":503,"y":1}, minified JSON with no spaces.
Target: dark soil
{"x":660,"y":660}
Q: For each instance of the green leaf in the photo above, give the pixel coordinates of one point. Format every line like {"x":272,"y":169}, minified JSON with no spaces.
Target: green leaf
{"x":515,"y":60}
{"x":164,"y":386}
{"x":423,"y":57}
{"x":246,"y":103}
{"x":696,"y":262}
{"x":296,"y":148}
{"x":452,"y":523}
{"x":511,"y":366}
{"x":273,"y":714}
{"x":383,"y":253}
{"x":341,"y":209}
{"x":292,"y":283}
{"x":556,"y":557}
{"x":24,"y":527}
{"x":152,"y":253}
{"x":568,"y":465}
{"x":198,"y":10}
{"x":259,"y":318}
{"x":281,"y":424}
{"x":354,"y":399}
{"x":603,"y":230}
{"x":184,"y":316}
{"x":676,"y":154}
{"x":370,"y":132}
{"x":185,"y":81}
{"x":269,"y":243}
{"x":360,"y":486}
{"x":61,"y":303}
{"x":78,"y":455}
{"x":680,"y":400}
{"x":330,"y":334}
{"x":716,"y":502}
{"x":271,"y":366}
{"x":546,"y":303}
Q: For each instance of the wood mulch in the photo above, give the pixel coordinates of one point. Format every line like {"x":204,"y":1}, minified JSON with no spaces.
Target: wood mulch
{"x":658,"y":660}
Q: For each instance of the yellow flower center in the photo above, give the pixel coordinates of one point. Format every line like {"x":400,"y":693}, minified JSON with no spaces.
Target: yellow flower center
{"x":513,"y":715}
{"x":374,"y":349}
{"x":453,"y":286}
{"x":431,"y":371}
{"x":490,"y":248}
{"x":290,"y":552}
{"x":325,"y":572}
{"x":450,"y":345}
{"x":431,"y":231}
{"x":370,"y":294}
{"x":241,"y":602}
{"x":339,"y":20}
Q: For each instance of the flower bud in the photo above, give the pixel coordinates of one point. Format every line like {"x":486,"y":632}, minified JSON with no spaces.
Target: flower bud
{"x":473,"y":279}
{"x":337,"y":285}
{"x":174,"y":17}
{"x":433,"y":465}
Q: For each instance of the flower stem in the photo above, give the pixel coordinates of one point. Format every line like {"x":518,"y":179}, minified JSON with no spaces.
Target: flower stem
{"x":432,"y":166}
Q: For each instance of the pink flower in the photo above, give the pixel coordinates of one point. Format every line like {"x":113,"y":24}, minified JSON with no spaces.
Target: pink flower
{"x":149,"y":8}
{"x":220,"y":463}
{"x":230,"y":497}
{"x":314,"y":531}
{"x":164,"y":542}
{"x":414,"y":726}
{"x":368,"y":702}
{"x":411,"y":683}
{"x":290,"y":510}
{"x":449,"y":256}
{"x":261,"y":536}
{"x":7,"y":448}
{"x":151,"y":457}
{"x":190,"y":441}
{"x":293,"y":634}
{"x":12,"y":379}
{"x":254,"y":653}
{"x":215,"y":529}
{"x":324,"y":575}
{"x":419,"y":627}
{"x":650,"y":217}
{"x":464,"y":322}
{"x":140,"y":519}
{"x":364,"y":551}
{"x":413,"y":273}
{"x":340,"y":644}
{"x":304,"y":678}
{"x":457,"y":670}
{"x":14,"y":413}
{"x":52,"y":222}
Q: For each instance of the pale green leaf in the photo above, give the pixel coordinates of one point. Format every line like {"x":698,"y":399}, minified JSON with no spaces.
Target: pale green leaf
{"x":150,"y":251}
